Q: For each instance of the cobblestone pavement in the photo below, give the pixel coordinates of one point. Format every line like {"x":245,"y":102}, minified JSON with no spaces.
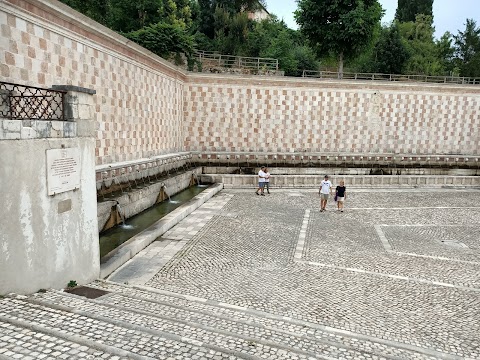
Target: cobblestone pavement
{"x":396,"y":276}
{"x":396,"y":265}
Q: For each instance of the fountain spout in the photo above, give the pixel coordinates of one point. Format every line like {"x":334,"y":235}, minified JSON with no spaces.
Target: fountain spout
{"x":119,"y":212}
{"x":116,"y":217}
{"x":162,"y":195}
{"x":194,"y":180}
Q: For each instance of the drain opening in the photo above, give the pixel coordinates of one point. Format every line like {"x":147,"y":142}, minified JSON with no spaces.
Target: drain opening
{"x":88,"y":292}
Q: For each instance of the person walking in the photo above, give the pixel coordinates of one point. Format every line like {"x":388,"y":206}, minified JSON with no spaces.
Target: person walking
{"x":341,"y":195}
{"x":324,"y":192}
{"x":261,"y":181}
{"x":267,"y":180}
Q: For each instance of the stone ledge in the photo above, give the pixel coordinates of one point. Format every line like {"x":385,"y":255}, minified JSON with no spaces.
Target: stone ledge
{"x":73,"y":88}
{"x":313,"y":181}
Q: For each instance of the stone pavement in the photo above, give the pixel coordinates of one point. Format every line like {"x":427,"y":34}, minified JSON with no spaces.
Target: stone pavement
{"x":396,"y":276}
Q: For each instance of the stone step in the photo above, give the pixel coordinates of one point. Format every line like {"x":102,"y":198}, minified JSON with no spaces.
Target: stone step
{"x":23,"y":341}
{"x":121,"y":338}
{"x":241,"y":346}
{"x":254,"y":326}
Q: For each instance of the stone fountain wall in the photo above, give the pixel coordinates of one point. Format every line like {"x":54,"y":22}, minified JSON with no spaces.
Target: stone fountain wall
{"x":337,"y":118}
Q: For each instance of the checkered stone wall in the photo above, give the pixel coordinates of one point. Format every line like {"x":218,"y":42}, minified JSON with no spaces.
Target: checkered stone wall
{"x":146,"y":107}
{"x":139,"y":97}
{"x":295,"y":115}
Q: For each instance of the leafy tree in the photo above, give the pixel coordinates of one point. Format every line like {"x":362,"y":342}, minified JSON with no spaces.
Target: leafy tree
{"x":407,"y":10}
{"x":236,"y":6}
{"x":272,"y":38}
{"x":282,"y":48}
{"x":230,"y":31}
{"x":261,"y":35}
{"x":306,"y":60}
{"x":446,"y":53}
{"x":418,"y":39}
{"x":164,"y":40}
{"x":98,"y":10}
{"x":128,"y":15}
{"x":205,"y":18}
{"x":467,"y":49}
{"x":390,"y":54}
{"x":207,"y":9}
{"x":343,"y":27}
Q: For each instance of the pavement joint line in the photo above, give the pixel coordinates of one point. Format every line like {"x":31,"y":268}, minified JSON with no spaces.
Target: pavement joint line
{"x":388,"y":247}
{"x":419,"y":208}
{"x":74,"y":339}
{"x":303,"y":235}
{"x":158,"y":333}
{"x":351,"y":334}
{"x":256,"y":325}
{"x":127,"y":325}
{"x":437,"y":258}
{"x":383,"y":239}
{"x":405,"y":278}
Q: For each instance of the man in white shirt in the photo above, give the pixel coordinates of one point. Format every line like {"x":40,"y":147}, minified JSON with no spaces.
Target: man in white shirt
{"x":325,"y":191}
{"x":261,"y":181}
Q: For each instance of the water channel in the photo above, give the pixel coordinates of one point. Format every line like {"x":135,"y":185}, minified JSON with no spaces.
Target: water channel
{"x":112,"y":238}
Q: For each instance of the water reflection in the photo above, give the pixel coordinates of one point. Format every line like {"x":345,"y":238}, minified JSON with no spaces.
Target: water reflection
{"x":112,"y":238}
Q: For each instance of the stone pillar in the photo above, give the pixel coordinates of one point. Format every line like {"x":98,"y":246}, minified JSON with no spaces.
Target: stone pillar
{"x":48,"y":217}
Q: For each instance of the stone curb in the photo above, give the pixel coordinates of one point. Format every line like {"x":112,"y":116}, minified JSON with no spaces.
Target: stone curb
{"x":137,"y":243}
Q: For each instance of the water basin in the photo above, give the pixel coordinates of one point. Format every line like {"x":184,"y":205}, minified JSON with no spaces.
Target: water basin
{"x":112,"y":238}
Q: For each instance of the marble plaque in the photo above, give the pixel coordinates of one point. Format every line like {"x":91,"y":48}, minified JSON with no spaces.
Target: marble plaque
{"x":63,"y":170}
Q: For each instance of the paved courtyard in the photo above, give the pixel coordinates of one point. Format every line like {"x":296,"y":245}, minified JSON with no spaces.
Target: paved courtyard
{"x":399,"y":265}
{"x":396,"y":276}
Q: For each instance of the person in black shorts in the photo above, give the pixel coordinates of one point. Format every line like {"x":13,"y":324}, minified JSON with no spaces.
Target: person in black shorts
{"x":340,"y":195}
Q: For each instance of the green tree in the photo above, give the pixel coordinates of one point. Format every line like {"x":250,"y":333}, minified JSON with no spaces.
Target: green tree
{"x":418,"y":38}
{"x":128,"y":15}
{"x":98,"y":10}
{"x":272,"y":38}
{"x":282,"y":48}
{"x":231,"y":31}
{"x":390,"y":54}
{"x":446,"y":53}
{"x":164,"y":40}
{"x":467,"y":49}
{"x":407,"y":10}
{"x":342,"y":27}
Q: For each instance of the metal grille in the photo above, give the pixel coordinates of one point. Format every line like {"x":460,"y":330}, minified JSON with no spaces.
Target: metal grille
{"x":18,"y":102}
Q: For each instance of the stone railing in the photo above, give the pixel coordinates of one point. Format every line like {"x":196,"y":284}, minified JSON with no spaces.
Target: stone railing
{"x":313,"y":159}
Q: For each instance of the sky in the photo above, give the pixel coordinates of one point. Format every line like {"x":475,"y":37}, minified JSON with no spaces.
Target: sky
{"x":448,"y":15}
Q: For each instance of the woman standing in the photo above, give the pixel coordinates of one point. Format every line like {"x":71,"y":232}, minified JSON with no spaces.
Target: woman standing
{"x":340,"y":195}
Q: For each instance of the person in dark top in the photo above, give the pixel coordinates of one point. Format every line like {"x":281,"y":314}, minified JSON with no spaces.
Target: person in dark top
{"x":341,"y":195}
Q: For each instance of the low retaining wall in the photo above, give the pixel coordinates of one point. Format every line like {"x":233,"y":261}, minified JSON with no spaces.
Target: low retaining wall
{"x":299,"y":181}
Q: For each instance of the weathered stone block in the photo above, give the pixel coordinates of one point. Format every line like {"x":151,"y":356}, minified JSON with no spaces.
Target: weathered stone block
{"x":69,"y":129}
{"x":86,"y":128}
{"x":28,"y":133}
{"x":44,"y":129}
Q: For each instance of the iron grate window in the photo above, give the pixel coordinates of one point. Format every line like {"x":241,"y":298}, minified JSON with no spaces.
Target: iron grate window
{"x":19,"y":102}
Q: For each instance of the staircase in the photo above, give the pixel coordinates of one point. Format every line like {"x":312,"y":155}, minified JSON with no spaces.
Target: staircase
{"x":135,"y":322}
